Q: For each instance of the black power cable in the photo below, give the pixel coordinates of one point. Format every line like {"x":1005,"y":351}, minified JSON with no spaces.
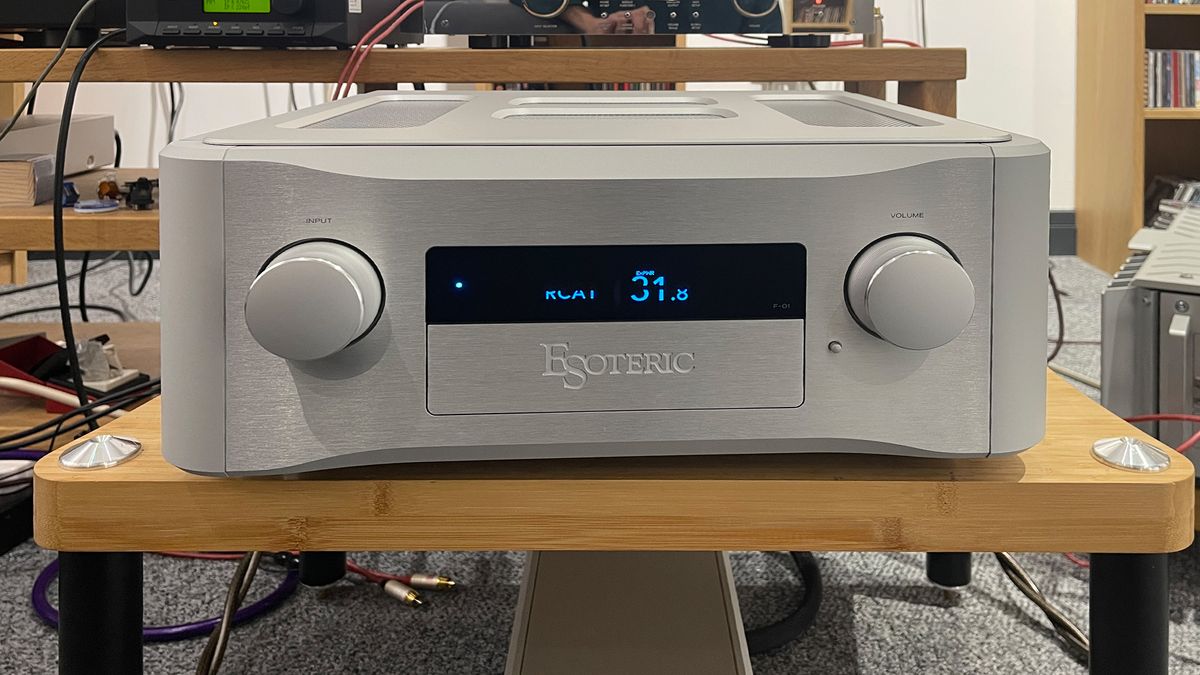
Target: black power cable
{"x":119,"y":147}
{"x":135,"y":292}
{"x":83,"y":269}
{"x":773,"y":636}
{"x":115,"y":399}
{"x":1060,"y":339}
{"x":88,"y":420}
{"x":171,"y":115}
{"x":121,"y":316}
{"x":44,"y":284}
{"x":60,"y":247}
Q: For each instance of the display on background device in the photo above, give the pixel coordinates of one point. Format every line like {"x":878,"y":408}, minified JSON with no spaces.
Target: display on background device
{"x":237,"y":6}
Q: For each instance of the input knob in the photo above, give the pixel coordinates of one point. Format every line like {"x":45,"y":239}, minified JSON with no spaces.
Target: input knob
{"x":910,"y":291}
{"x":313,"y":299}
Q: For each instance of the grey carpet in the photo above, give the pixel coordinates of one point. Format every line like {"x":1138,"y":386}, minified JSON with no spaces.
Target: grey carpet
{"x":880,"y":615}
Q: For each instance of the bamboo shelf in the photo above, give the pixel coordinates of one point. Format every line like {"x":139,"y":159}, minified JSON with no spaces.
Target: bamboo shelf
{"x":501,"y":65}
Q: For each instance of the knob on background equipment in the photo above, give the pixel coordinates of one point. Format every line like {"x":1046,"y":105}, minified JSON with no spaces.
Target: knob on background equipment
{"x":287,"y":6}
{"x":313,"y":299}
{"x":910,"y":291}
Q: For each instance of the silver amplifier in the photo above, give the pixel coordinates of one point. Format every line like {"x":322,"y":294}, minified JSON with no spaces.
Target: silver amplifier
{"x":466,"y":276}
{"x":1150,"y":329}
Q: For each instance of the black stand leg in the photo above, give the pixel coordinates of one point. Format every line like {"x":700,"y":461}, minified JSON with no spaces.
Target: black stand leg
{"x":100,"y":613}
{"x":321,"y":568}
{"x":1128,"y":613}
{"x":951,"y":570}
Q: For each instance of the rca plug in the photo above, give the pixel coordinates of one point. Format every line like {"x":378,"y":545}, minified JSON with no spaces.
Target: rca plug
{"x":432,"y":582}
{"x":402,"y":592}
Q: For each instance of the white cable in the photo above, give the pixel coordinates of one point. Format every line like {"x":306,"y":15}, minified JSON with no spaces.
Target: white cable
{"x":160,"y":92}
{"x":924,"y":23}
{"x":1074,"y":375}
{"x":267,"y":98}
{"x":51,"y":394}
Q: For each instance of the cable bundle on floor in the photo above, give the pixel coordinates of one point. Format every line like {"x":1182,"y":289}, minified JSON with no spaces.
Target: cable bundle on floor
{"x":776,"y":635}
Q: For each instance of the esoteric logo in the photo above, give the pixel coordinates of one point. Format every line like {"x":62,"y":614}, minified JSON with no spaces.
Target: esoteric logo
{"x":574,"y":369}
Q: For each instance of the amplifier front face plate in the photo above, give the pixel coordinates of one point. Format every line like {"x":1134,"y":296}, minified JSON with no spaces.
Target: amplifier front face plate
{"x":542,"y":372}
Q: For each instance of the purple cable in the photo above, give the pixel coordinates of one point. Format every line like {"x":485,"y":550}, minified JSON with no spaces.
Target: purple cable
{"x":49,"y":613}
{"x":33,"y":455}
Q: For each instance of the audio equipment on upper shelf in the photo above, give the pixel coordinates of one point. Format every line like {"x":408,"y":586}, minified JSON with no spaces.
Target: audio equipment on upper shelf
{"x":832,"y":16}
{"x":42,"y":23}
{"x":406,"y":277}
{"x":602,"y":17}
{"x":262,"y":23}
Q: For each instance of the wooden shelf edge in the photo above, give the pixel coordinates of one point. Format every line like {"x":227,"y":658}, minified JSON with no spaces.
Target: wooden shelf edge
{"x":1173,"y":10}
{"x":1172,"y":113}
{"x":691,"y":64}
{"x":698,"y":503}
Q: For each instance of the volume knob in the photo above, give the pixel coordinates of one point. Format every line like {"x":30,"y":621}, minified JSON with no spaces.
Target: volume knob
{"x":910,"y":291}
{"x":313,"y":299}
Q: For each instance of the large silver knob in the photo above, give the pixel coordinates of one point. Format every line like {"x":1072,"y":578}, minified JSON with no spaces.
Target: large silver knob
{"x":910,"y":291}
{"x":313,"y":299}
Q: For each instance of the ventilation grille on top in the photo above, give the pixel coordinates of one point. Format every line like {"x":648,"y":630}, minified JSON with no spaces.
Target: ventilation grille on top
{"x":1173,"y":261}
{"x":640,"y":115}
{"x":632,"y":110}
{"x":389,"y":115}
{"x":1187,"y":223}
{"x":820,"y":113}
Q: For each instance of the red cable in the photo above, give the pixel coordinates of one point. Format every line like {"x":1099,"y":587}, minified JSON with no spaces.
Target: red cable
{"x":375,"y":576}
{"x":362,"y":58}
{"x":1164,"y":417}
{"x":1189,"y":443}
{"x":354,"y":52}
{"x":337,"y":92}
{"x":1172,"y":417}
{"x":1077,"y":560}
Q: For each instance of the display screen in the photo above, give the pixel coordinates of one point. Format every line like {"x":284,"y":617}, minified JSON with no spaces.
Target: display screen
{"x":237,"y":6}
{"x":521,"y":284}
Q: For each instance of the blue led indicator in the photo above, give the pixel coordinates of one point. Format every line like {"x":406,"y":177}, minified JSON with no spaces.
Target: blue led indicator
{"x":458,"y":284}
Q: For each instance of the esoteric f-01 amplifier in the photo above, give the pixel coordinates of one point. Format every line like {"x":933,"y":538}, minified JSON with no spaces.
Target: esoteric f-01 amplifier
{"x":452,"y":276}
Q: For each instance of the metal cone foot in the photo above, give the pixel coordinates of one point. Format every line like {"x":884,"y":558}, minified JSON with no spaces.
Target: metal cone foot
{"x":1130,"y":453}
{"x":101,"y":452}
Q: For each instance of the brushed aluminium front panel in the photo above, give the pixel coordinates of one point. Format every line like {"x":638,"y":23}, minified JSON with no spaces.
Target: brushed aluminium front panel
{"x":703,"y":365}
{"x":368,"y":403}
